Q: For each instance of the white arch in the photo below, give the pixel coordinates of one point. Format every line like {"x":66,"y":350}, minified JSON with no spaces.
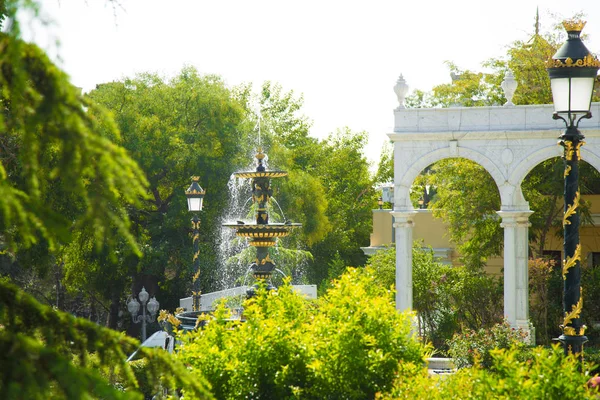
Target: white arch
{"x":404,"y":183}
{"x":521,"y":170}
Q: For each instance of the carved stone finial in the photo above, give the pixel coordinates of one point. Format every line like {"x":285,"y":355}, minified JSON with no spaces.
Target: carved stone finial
{"x":509,"y":86}
{"x":401,"y":89}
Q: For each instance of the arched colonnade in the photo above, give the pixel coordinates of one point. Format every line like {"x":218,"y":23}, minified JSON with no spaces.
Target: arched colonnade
{"x":508,"y":141}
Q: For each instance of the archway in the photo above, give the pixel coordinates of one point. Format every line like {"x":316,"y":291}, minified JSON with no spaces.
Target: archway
{"x":508,"y":142}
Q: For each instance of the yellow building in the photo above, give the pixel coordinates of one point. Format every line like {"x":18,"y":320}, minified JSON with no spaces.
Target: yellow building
{"x":433,"y":232}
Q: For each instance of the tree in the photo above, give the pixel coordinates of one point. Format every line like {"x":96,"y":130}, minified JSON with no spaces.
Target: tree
{"x":61,"y":172}
{"x":329,"y":188}
{"x":51,"y":147}
{"x":187,"y":125}
{"x":57,"y":146}
{"x":472,"y":221}
{"x":344,"y":172}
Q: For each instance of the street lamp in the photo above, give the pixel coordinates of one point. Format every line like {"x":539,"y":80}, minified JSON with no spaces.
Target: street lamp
{"x":134,"y":307}
{"x":572,"y":72}
{"x":380,"y":202}
{"x":195,"y":196}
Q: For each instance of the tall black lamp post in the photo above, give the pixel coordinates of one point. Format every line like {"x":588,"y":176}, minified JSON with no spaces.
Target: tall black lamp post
{"x":573,"y":70}
{"x":195,"y":196}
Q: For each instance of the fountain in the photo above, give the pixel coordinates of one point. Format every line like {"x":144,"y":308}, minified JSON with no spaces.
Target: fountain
{"x":261,"y":235}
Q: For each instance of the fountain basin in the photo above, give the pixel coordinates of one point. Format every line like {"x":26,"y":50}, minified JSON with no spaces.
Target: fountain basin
{"x":208,"y":300}
{"x":262,"y":231}
{"x":260,"y":174}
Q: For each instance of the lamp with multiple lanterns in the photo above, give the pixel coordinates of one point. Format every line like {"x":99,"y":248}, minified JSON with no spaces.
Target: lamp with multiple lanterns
{"x":134,"y":308}
{"x":573,"y":72}
{"x":195,"y":196}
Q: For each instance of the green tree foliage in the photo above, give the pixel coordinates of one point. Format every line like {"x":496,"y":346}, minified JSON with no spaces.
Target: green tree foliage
{"x":467,"y":89}
{"x":467,"y":198}
{"x":60,"y":172}
{"x":344,"y":172}
{"x":329,"y":189}
{"x":189,"y":124}
{"x":349,"y":344}
{"x":50,"y":354}
{"x":385,"y":168}
{"x":52,"y":152}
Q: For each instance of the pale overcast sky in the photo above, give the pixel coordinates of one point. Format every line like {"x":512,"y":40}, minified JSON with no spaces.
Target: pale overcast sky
{"x":344,"y":56}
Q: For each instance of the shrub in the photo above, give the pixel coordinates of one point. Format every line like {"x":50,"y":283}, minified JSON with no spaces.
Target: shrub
{"x":546,"y":375}
{"x":475,"y":347}
{"x":348,"y":344}
{"x":445,"y":297}
{"x":590,"y":283}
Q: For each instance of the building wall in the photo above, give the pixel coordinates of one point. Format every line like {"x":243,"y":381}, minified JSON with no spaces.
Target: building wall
{"x":433,"y":232}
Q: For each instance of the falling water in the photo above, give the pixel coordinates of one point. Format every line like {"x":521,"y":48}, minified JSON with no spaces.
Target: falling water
{"x":230,"y":245}
{"x":282,"y":219}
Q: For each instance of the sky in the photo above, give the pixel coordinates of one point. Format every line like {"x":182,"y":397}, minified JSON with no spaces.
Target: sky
{"x":344,"y":57}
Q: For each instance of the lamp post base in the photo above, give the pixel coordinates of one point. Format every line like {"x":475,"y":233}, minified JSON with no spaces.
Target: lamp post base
{"x":573,"y":344}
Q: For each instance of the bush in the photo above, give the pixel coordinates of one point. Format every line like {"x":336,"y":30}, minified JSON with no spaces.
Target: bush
{"x":546,"y":375}
{"x":475,"y":347}
{"x":349,"y":344}
{"x":590,"y":283}
{"x":445,"y":297}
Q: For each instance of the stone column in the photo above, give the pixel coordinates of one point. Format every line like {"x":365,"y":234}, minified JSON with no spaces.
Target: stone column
{"x":404,"y":241}
{"x":516,"y":269}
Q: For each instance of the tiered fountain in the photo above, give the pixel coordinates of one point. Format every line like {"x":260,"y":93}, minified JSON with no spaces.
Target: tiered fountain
{"x":262,"y":235}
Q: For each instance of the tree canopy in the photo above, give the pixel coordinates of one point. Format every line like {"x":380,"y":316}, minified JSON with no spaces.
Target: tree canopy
{"x":62,"y":173}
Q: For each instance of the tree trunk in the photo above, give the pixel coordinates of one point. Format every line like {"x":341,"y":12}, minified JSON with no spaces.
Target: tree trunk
{"x":113,"y":313}
{"x":552,"y":212}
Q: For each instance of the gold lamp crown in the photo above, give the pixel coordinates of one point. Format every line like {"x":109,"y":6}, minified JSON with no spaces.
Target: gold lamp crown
{"x":574,"y":25}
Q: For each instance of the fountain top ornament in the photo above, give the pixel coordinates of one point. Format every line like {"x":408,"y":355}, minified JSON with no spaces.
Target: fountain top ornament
{"x":261,"y":170}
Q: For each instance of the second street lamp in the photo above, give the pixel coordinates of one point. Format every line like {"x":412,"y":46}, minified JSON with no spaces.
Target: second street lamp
{"x":573,"y":71}
{"x":133,"y":306}
{"x":195,"y":196}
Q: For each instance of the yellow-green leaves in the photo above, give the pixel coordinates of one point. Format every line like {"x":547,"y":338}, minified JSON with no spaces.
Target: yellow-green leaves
{"x":348,"y":344}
